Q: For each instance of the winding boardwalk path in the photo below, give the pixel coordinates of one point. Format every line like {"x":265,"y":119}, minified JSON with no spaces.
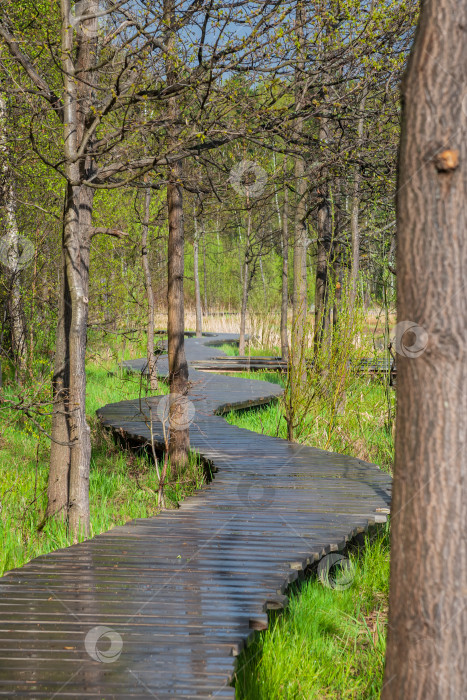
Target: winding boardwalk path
{"x":160,"y":607}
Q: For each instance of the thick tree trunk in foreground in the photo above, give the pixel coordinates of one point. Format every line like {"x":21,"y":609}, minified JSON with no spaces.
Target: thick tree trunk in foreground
{"x":199,"y":312}
{"x":152,"y":369}
{"x":285,"y":276}
{"x":427,"y":642}
{"x":179,"y":445}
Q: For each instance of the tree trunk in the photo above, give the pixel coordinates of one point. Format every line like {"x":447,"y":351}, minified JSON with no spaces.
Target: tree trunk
{"x":243,"y":308}
{"x":179,"y":445}
{"x":299,"y":302}
{"x":11,"y":242}
{"x":263,"y":279}
{"x":354,"y":215}
{"x":322,"y":310}
{"x":179,"y":442}
{"x":245,"y":287}
{"x":152,"y":369}
{"x":70,"y":462}
{"x":199,"y":312}
{"x":427,"y":640}
{"x":77,"y":249}
{"x":205,"y":271}
{"x":285,"y":276}
{"x":60,"y":450}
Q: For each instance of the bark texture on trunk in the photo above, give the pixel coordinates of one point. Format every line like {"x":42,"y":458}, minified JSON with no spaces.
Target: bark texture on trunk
{"x":427,"y":641}
{"x":152,"y":369}
{"x":354,"y":216}
{"x":11,"y":251}
{"x":68,"y":487}
{"x":322,"y":310}
{"x":199,"y":311}
{"x":299,"y":301}
{"x":205,"y":270}
{"x":285,"y":276}
{"x":179,"y":444}
{"x":246,"y":283}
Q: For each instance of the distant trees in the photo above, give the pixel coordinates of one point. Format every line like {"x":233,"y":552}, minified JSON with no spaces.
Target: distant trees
{"x":115,"y":103}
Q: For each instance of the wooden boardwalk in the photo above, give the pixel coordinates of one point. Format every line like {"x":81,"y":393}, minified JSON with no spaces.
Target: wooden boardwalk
{"x":160,"y":608}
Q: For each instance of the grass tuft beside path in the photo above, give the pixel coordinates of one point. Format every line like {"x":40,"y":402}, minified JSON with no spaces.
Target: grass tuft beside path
{"x":328,"y":643}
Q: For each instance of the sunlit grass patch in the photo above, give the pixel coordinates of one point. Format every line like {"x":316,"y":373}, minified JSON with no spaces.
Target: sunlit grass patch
{"x":328,"y":643}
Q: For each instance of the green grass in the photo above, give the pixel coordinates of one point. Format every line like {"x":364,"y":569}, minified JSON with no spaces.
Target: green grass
{"x":328,"y":643}
{"x":121,"y":483}
{"x":231,"y":349}
{"x":361,"y":431}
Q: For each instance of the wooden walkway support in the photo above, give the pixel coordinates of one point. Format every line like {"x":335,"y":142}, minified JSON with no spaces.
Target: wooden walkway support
{"x":160,"y":608}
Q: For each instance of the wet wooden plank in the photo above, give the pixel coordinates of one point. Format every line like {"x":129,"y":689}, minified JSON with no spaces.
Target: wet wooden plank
{"x":182,"y":593}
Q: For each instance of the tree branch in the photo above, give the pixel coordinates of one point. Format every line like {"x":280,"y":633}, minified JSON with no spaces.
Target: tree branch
{"x":39,"y":82}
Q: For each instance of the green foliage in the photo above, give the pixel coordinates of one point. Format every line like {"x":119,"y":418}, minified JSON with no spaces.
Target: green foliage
{"x":122,"y":484}
{"x":328,"y":643}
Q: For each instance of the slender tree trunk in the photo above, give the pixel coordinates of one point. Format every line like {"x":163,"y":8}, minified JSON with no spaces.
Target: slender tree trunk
{"x":323,"y":268}
{"x":179,"y":443}
{"x":354,"y":216}
{"x":322,"y":311}
{"x":245,"y":286}
{"x":427,"y":640}
{"x":77,"y":250}
{"x":205,"y":269}
{"x":285,"y":276}
{"x":60,"y":450}
{"x":12,"y":246}
{"x":263,"y":279}
{"x":152,"y":369}
{"x":70,"y":465}
{"x":199,"y":312}
{"x":300,"y":240}
{"x":243,"y":308}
